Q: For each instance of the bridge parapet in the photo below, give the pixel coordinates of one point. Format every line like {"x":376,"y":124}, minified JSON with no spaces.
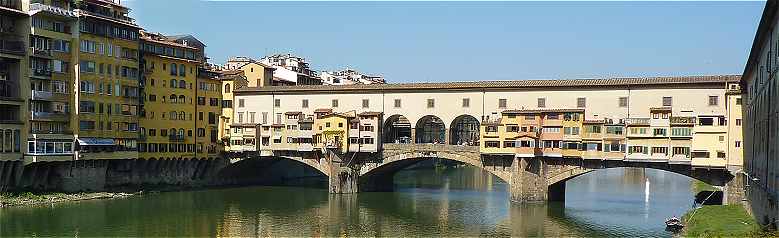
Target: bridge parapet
{"x":430,"y":147}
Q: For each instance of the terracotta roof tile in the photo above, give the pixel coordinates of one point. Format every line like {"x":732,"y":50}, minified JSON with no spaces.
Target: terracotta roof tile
{"x":674,"y":80}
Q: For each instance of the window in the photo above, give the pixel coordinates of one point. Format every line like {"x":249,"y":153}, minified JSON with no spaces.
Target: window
{"x":713,"y":100}
{"x":738,"y":144}
{"x":86,"y":125}
{"x":614,"y":130}
{"x":365,"y":103}
{"x":397,"y":103}
{"x":683,"y":131}
{"x":173,"y":70}
{"x":681,"y":151}
{"x":667,"y":101}
{"x":721,"y":154}
{"x":86,"y":106}
{"x":430,"y":103}
{"x":623,"y":101}
{"x":660,"y":150}
{"x":659,"y":132}
{"x":491,"y":144}
{"x":87,"y":66}
{"x":571,"y":131}
{"x":277,"y":102}
{"x":581,"y":102}
{"x":592,"y":128}
{"x":541,"y":102}
{"x":227,"y":88}
{"x":200,"y":100}
{"x":738,"y":101}
{"x":551,"y":130}
{"x":334,"y":103}
{"x":721,"y":138}
{"x":240,"y":102}
{"x":738,"y":122}
{"x":553,"y":116}
{"x":502,"y":103}
{"x":305,"y":103}
{"x":466,"y":102}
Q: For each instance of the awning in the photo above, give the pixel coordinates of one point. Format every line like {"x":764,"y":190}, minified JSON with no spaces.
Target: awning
{"x":95,"y":141}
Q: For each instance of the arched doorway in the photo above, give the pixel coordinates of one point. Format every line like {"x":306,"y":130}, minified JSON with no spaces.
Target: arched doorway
{"x":397,"y":129}
{"x":430,"y":129}
{"x":464,"y":131}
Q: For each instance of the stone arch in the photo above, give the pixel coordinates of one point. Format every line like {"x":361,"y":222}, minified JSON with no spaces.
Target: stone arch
{"x":319,"y":164}
{"x":464,"y":129}
{"x":378,"y":176}
{"x":397,"y":129}
{"x":562,"y":174}
{"x":430,"y":129}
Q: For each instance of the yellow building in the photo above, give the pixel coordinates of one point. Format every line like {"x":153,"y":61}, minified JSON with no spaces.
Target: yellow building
{"x":333,"y":131}
{"x":572,"y":138}
{"x":735,"y":138}
{"x":14,"y":87}
{"x":50,"y":55}
{"x":178,"y":106}
{"x":107,"y":80}
{"x":230,"y":80}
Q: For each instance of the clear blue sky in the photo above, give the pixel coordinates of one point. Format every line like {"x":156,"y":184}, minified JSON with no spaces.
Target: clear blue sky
{"x":465,"y":41}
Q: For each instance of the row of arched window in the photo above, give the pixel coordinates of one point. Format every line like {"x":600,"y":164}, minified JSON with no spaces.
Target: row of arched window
{"x":178,"y":84}
{"x":174,"y":115}
{"x":180,"y":99}
{"x":182,"y":70}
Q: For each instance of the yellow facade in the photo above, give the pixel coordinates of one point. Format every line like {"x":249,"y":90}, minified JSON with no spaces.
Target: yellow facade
{"x":230,"y":80}
{"x":182,"y":101}
{"x":334,"y":132}
{"x":107,"y":79}
{"x":52,"y":75}
{"x":735,"y":135}
{"x":258,"y":74}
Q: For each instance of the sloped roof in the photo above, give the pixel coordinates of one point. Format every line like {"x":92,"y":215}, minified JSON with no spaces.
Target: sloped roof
{"x":506,"y":84}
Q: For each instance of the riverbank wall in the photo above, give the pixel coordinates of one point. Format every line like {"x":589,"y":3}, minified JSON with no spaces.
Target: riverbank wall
{"x":141,"y":174}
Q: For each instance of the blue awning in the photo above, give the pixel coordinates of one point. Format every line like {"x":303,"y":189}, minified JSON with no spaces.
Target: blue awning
{"x":95,"y":141}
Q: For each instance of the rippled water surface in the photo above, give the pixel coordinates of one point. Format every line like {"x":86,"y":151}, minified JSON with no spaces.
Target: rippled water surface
{"x":461,"y":201}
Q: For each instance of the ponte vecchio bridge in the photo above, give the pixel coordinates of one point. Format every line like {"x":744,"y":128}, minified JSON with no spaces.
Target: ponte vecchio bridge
{"x":533,"y":134}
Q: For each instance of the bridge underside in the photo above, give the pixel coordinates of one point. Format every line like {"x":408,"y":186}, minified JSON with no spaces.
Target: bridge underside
{"x":534,"y":179}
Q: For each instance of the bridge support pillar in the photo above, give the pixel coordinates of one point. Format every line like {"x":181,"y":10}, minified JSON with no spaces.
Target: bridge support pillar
{"x":343,"y":178}
{"x":734,"y":190}
{"x":528,"y":180}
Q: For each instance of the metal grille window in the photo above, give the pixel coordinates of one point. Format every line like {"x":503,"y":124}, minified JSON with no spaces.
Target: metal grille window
{"x":541,"y":102}
{"x":365,"y":103}
{"x":430,"y":103}
{"x":623,"y":102}
{"x":305,"y":103}
{"x":397,"y":103}
{"x":277,"y":103}
{"x":502,"y":103}
{"x":581,"y":102}
{"x":667,"y":101}
{"x":240,"y":102}
{"x":466,"y":102}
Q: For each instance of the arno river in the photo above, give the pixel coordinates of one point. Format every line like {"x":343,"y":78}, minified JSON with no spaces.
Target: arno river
{"x":461,"y":201}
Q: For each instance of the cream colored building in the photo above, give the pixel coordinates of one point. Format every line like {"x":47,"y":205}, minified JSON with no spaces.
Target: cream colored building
{"x":647,"y":118}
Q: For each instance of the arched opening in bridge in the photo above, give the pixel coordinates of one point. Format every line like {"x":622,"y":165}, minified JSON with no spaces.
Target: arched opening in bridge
{"x":637,"y":187}
{"x":431,"y":173}
{"x":464,"y":131}
{"x":430,"y":129}
{"x":274,"y":171}
{"x":397,"y":129}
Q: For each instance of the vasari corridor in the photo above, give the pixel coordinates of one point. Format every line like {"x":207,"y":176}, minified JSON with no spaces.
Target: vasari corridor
{"x":464,"y":119}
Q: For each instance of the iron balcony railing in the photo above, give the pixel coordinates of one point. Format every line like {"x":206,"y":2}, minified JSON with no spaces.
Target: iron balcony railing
{"x":637,"y":121}
{"x":46,"y":95}
{"x":54,"y":116}
{"x":40,"y":52}
{"x":41,"y":72}
{"x":683,"y":120}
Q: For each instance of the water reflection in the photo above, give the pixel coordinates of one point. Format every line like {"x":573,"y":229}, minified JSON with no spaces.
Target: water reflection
{"x":463,"y":201}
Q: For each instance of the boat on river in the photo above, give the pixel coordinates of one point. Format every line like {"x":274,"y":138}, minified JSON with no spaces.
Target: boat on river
{"x":673,"y":224}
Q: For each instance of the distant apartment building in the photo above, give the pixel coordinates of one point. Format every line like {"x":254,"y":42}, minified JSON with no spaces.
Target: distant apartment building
{"x":257,"y":74}
{"x":292,"y":70}
{"x":348,"y":77}
{"x":759,"y":91}
{"x":14,"y":82}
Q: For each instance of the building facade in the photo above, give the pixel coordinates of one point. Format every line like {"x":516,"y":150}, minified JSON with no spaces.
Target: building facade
{"x":349,"y":76}
{"x":759,"y":95}
{"x":664,"y":119}
{"x":14,"y":82}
